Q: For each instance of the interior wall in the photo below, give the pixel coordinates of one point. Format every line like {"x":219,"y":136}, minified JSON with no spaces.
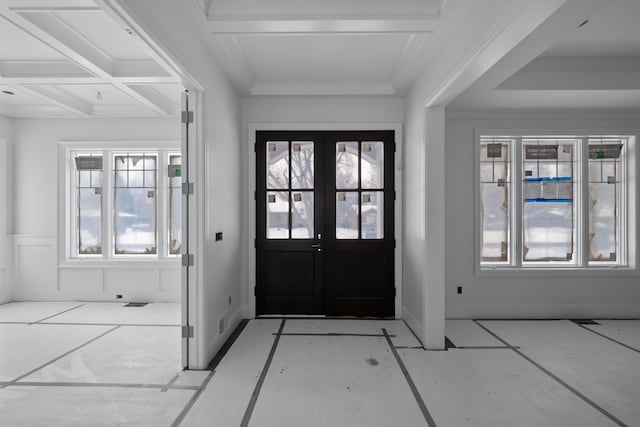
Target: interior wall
{"x":519,"y":297}
{"x":305,"y":110}
{"x":220,"y":301}
{"x":6,"y":134}
{"x":33,"y":232}
{"x":424,"y":295}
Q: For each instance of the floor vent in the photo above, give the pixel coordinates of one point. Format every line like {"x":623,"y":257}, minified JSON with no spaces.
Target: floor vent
{"x":584,"y":321}
{"x":136,"y":304}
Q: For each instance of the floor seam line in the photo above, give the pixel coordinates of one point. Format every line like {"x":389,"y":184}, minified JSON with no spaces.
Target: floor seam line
{"x":59,"y":357}
{"x":610,"y":339}
{"x":170,"y":383}
{"x":556,"y":378}
{"x":413,"y":333}
{"x":416,"y":394}
{"x":183,"y":413}
{"x":256,"y":391}
{"x":57,"y":314}
{"x":98,"y":385}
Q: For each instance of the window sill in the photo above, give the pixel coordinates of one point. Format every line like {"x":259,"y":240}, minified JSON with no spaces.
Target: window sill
{"x":621,"y":271}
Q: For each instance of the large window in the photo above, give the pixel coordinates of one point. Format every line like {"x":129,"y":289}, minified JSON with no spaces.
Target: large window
{"x":556,"y":201}
{"x":122,"y":202}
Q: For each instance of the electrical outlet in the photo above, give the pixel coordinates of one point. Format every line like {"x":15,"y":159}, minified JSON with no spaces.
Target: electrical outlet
{"x":229,"y":300}
{"x":459,"y":289}
{"x":218,"y":236}
{"x":221,"y":326}
{"x":118,"y":296}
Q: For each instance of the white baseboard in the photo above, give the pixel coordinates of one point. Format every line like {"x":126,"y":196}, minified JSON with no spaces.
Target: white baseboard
{"x":542,"y":311}
{"x":216,"y":342}
{"x":413,"y":324}
{"x":245,"y":311}
{"x":5,"y":290}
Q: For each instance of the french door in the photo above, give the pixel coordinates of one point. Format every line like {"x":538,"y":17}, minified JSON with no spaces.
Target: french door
{"x":325,"y":223}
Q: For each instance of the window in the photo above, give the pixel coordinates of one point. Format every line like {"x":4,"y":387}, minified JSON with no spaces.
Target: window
{"x":122,"y":202}
{"x":558,"y":201}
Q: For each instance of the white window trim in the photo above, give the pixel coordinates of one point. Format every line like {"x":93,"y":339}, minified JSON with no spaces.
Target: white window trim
{"x":630,"y":241}
{"x":66,"y":204}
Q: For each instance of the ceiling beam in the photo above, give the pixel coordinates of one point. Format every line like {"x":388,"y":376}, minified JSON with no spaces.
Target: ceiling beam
{"x":152,"y":99}
{"x":60,"y":98}
{"x":322,"y":26}
{"x":42,"y":69}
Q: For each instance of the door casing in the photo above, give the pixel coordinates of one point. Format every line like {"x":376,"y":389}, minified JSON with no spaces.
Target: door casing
{"x":251,"y":205}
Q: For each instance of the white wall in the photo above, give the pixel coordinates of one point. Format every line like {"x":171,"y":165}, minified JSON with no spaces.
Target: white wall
{"x":6,"y":133}
{"x":423,"y":270}
{"x":305,"y":110}
{"x":171,"y":22}
{"x":519,"y":296}
{"x":33,"y":239}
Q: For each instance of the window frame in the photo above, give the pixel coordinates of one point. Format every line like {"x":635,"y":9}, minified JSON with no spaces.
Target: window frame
{"x":627,"y":232}
{"x":67,"y":209}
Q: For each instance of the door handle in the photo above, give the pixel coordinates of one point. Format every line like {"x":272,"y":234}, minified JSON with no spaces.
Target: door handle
{"x":317,"y":246}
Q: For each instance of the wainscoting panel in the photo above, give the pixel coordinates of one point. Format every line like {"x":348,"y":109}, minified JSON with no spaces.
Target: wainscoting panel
{"x":37,"y":276}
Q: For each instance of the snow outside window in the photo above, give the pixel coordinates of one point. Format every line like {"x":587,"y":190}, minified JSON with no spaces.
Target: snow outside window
{"x":122,"y":203}
{"x":568,"y":209}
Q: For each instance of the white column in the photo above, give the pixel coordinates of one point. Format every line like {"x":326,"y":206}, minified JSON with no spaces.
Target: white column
{"x":434,"y":266}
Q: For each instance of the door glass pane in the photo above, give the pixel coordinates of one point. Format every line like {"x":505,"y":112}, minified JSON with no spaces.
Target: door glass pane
{"x":372,"y":215}
{"x":89,"y":202}
{"x":277,"y":215}
{"x":175,"y":204}
{"x":372,"y":161}
{"x":302,"y":154}
{"x":278,"y":165}
{"x":604,"y":201}
{"x":134,"y":205}
{"x":302,"y":215}
{"x":346,"y":165}
{"x":347,"y":210}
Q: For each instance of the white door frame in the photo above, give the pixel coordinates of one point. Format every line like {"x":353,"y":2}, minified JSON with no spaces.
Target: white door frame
{"x":251,"y":217}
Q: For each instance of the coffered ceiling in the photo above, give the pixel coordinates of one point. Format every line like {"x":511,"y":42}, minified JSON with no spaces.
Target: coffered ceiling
{"x":303,"y":47}
{"x":586,"y":58}
{"x":69,"y":58}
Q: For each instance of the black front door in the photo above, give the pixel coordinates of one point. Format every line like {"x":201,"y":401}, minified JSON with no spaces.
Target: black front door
{"x":325,"y":223}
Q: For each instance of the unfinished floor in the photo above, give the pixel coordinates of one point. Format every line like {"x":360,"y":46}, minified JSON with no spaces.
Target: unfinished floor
{"x":101,"y":364}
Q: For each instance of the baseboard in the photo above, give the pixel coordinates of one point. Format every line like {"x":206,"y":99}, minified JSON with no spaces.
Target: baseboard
{"x":5,"y":290}
{"x":542,"y":311}
{"x":245,"y":311}
{"x":218,"y":341}
{"x":413,"y":324}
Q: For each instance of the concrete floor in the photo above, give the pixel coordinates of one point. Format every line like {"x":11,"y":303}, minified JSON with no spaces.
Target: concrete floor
{"x":100,"y":364}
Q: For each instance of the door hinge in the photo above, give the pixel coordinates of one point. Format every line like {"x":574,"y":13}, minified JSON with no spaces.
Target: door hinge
{"x":394,"y":243}
{"x":187,"y":332}
{"x":187,"y":117}
{"x":187,"y":260}
{"x":255,"y":291}
{"x":255,"y":148}
{"x":394,"y":146}
{"x":255,"y":195}
{"x":255,"y":243}
{"x":187,"y":188}
{"x":394,"y":292}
